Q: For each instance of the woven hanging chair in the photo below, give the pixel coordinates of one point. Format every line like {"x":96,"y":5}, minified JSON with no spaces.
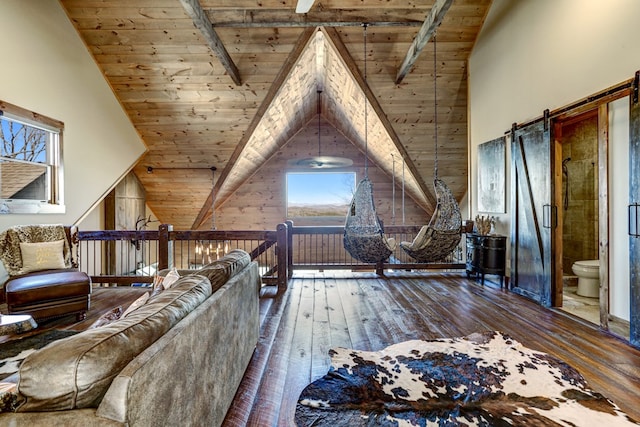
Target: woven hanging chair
{"x":364,"y":237}
{"x":440,"y":237}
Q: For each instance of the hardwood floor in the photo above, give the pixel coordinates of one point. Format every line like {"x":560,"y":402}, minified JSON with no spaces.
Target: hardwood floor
{"x":102,"y":300}
{"x":324,"y":310}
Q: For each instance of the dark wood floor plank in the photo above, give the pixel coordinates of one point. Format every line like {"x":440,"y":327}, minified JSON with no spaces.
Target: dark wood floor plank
{"x":374,"y":325}
{"x":297,"y":372}
{"x":321,"y":330}
{"x":380,"y":311}
{"x":266,"y":407}
{"x":350,"y":298}
{"x":428,"y":296}
{"x":417,"y":312}
{"x":386,"y":309}
{"x":337,"y":321}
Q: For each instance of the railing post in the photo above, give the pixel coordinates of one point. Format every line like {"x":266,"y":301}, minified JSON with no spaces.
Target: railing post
{"x":282,"y":254}
{"x":380,"y":268}
{"x":290,"y":247}
{"x":165,"y":247}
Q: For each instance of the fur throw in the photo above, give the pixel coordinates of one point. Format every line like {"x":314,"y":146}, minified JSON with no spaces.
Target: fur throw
{"x":10,"y":240}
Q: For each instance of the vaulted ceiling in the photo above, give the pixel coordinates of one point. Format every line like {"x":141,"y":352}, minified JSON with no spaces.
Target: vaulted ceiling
{"x":227,"y":83}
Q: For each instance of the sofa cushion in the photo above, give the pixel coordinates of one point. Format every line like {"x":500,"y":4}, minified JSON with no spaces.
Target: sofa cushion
{"x":75,"y":372}
{"x":221,"y":270}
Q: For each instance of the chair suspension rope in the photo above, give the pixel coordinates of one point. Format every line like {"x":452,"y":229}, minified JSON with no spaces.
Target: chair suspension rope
{"x":435,"y":108}
{"x":366,"y":142}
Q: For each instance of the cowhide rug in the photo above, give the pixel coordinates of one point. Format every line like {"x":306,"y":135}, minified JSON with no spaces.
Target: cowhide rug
{"x":484,"y":379}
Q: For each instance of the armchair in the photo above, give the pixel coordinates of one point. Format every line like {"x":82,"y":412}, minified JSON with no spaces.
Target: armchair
{"x":44,"y":280}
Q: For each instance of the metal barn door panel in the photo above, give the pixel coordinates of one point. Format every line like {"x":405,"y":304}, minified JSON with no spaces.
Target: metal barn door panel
{"x":532,"y":214}
{"x":634,"y":213}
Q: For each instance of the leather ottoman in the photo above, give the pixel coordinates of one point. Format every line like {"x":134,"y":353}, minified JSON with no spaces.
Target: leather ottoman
{"x":49,"y":293}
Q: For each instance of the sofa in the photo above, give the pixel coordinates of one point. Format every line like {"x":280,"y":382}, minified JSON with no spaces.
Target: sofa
{"x":176,"y":360}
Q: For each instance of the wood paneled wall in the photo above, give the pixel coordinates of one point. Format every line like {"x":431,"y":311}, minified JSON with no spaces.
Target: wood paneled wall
{"x":123,"y":207}
{"x":261,"y":202}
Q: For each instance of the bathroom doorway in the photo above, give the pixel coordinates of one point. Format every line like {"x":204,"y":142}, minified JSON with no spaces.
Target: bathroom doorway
{"x":581,"y":158}
{"x":578,"y":213}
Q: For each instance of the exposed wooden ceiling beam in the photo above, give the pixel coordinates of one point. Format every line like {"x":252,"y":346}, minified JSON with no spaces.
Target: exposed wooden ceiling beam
{"x":205,"y":211}
{"x":339,"y":46}
{"x":201,"y":21}
{"x":269,"y":18}
{"x":293,"y":24}
{"x":431,"y":23}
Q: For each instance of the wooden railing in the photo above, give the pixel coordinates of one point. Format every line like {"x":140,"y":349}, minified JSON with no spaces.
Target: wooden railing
{"x":322,"y":248}
{"x":127,"y":257}
{"x":134,"y":257}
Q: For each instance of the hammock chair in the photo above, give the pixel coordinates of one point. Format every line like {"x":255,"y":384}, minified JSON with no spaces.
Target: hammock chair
{"x":364,"y":237}
{"x":441,"y":236}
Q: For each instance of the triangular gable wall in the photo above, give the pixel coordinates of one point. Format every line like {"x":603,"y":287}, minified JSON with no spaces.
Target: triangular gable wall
{"x":323,"y":63}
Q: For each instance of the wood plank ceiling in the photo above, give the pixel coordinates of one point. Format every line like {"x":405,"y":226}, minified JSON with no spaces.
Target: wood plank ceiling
{"x":226,"y":83}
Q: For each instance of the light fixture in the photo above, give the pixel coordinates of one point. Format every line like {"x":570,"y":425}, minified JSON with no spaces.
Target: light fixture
{"x":320,"y":161}
{"x":303,"y":6}
{"x":210,"y":250}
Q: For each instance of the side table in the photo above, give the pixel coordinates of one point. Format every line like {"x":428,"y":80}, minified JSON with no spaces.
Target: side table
{"x":486,"y":255}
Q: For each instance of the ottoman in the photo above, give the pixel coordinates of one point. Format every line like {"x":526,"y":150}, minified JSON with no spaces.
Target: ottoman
{"x":49,"y":293}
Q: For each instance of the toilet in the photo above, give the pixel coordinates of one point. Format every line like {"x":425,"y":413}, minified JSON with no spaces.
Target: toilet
{"x":588,"y":273}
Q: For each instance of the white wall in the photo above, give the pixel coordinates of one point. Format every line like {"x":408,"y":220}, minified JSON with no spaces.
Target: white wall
{"x":537,"y":54}
{"x":619,"y":294}
{"x":46,"y":68}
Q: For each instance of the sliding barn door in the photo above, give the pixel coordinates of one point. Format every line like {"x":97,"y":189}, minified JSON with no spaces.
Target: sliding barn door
{"x":634,"y":213}
{"x":532,"y":215}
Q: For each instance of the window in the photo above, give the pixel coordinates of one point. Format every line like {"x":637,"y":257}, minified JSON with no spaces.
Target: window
{"x":319,"y":194}
{"x":30,"y":162}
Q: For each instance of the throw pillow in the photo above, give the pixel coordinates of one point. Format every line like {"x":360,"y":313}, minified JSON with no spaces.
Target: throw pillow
{"x":42,"y":256}
{"x":170,"y":278}
{"x":142,"y":299}
{"x":108,"y":317}
{"x":157,"y":286}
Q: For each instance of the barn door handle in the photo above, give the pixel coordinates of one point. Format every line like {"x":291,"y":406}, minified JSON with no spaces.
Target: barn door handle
{"x":549,"y":216}
{"x":632,"y":220}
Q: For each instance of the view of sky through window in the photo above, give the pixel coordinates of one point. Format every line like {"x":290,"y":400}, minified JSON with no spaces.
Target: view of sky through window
{"x":319,"y":193}
{"x":22,"y":142}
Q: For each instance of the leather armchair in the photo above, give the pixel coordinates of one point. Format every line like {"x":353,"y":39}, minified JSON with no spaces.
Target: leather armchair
{"x":49,"y":292}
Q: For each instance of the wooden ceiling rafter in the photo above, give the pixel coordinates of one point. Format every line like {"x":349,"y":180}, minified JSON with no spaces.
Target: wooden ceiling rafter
{"x":260,"y":18}
{"x":428,"y":29}
{"x":303,"y":40}
{"x":202,"y":22}
{"x":349,"y":63}
{"x":305,"y":24}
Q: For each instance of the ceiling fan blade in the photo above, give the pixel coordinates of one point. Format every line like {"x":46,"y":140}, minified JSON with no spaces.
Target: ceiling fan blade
{"x":321,"y":162}
{"x":303,"y":6}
